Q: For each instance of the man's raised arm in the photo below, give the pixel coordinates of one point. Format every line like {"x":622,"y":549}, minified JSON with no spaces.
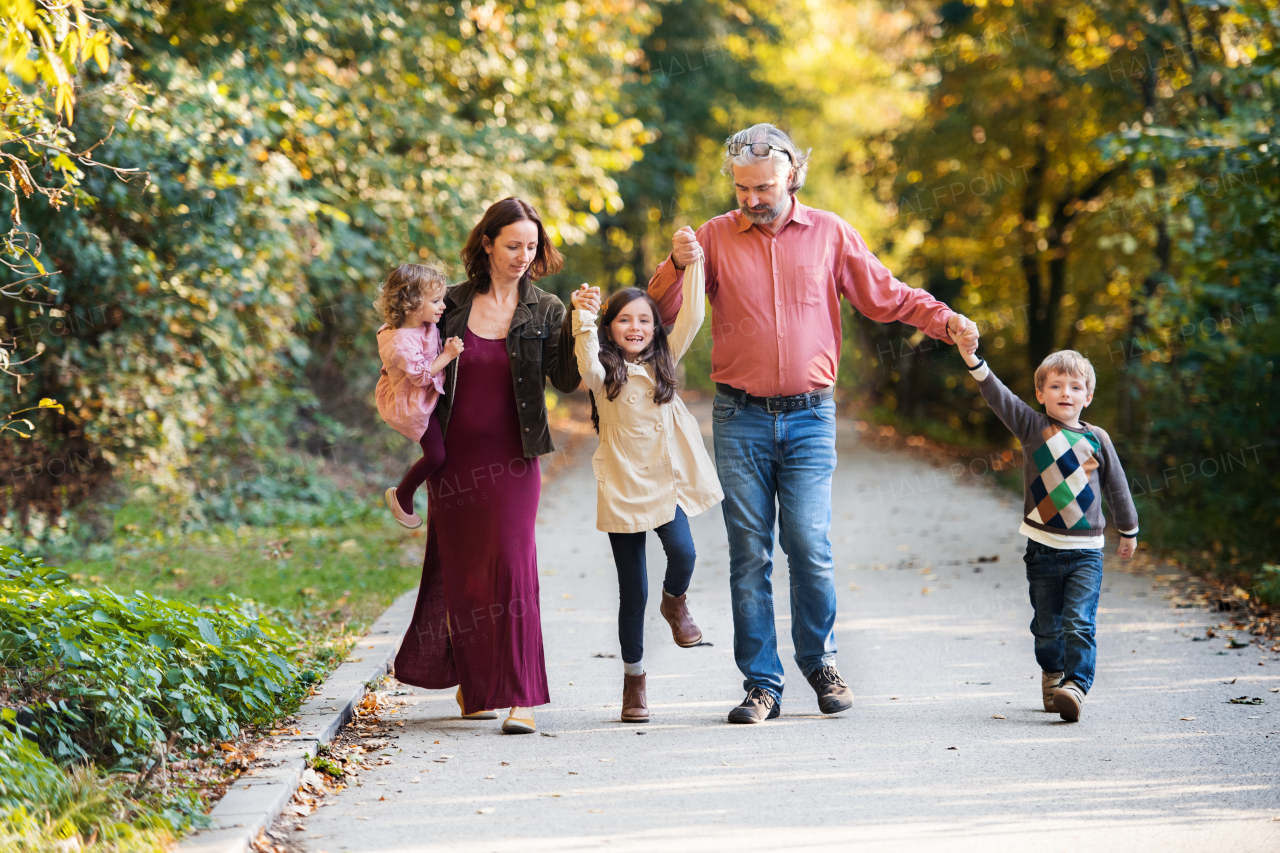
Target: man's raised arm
{"x":873,"y":290}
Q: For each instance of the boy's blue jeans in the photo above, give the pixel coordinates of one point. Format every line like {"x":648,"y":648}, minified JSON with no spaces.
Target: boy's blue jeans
{"x":1065,"y":585}
{"x":787,"y":457}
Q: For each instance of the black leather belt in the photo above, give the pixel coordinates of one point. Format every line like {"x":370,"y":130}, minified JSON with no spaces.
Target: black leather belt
{"x":778,"y":404}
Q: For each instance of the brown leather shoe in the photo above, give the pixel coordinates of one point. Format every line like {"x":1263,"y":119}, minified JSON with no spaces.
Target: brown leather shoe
{"x":635,"y":704}
{"x":674,"y":610}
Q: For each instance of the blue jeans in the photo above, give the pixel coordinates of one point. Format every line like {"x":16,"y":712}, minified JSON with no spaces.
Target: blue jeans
{"x":1065,"y":585}
{"x":633,"y":577}
{"x":787,"y":457}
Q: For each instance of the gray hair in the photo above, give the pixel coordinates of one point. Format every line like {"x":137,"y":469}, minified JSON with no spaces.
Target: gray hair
{"x":778,"y":139}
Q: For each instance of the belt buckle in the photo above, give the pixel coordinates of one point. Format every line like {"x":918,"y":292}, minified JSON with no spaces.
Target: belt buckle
{"x":771,"y":402}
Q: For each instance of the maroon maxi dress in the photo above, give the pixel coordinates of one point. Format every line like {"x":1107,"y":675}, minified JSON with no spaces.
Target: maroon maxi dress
{"x":477,"y":620}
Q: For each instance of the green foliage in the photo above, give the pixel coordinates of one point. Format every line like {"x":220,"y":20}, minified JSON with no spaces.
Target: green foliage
{"x":1103,"y":177}
{"x":44,"y":805}
{"x":105,"y":677}
{"x":1268,"y":587}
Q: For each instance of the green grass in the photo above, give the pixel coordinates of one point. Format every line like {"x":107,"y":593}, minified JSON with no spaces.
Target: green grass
{"x":345,"y":575}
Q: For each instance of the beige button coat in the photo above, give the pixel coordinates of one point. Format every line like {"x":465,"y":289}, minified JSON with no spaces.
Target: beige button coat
{"x":651,"y":458}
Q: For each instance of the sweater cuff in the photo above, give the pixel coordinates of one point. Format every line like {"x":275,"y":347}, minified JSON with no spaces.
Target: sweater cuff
{"x":980,"y":372}
{"x":1129,"y":534}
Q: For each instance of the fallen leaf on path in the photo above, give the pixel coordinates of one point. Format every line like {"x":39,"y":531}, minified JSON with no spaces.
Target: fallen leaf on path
{"x":1187,"y":719}
{"x":904,"y":547}
{"x":1274,"y":690}
{"x":1232,"y":681}
{"x":486,"y":810}
{"x":598,"y":811}
{"x":549,"y":734}
{"x":606,"y":759}
{"x":383,"y":797}
{"x":727,"y":764}
{"x":854,"y":587}
{"x":503,"y":763}
{"x":925,"y":590}
{"x":549,"y":795}
{"x":362,"y":818}
{"x":1245,"y":700}
{"x":952,"y":747}
{"x":603,"y":655}
{"x":490,"y":776}
{"x":997,"y":716}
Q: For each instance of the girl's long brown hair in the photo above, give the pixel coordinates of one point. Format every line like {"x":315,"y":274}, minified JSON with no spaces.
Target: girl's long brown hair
{"x":499,"y":215}
{"x":658,"y":353}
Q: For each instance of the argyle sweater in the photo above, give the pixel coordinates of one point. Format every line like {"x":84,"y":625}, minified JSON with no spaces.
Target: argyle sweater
{"x":1065,"y":473}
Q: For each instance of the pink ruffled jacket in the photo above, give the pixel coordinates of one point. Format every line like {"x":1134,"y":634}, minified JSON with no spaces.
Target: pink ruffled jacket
{"x":407,"y":393}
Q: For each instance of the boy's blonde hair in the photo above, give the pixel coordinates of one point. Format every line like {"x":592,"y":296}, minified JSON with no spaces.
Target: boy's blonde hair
{"x":407,"y":289}
{"x":1068,"y":362}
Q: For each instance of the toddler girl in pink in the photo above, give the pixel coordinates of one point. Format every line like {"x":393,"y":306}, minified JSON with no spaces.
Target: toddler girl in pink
{"x":412,"y":379}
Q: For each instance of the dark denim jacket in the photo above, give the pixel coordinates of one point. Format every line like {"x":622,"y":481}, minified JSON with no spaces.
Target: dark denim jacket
{"x":540,"y":346}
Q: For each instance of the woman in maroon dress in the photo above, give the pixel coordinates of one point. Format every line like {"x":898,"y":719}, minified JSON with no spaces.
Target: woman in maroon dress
{"x":477,"y":621}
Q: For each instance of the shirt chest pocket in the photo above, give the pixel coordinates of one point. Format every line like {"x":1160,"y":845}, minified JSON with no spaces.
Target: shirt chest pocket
{"x":810,"y":284}
{"x":532,"y":336}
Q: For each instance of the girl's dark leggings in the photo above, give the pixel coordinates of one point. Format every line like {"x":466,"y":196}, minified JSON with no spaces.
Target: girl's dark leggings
{"x":432,"y":458}
{"x":633,"y":577}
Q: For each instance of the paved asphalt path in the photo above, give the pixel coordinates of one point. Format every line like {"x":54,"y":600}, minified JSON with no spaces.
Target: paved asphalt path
{"x":921,"y":762}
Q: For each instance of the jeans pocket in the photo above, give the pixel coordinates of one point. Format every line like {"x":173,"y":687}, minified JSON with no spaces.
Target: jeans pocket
{"x":723,"y":413}
{"x":825,"y":412}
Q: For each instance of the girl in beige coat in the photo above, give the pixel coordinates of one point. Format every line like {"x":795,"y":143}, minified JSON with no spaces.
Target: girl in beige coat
{"x":652,"y":468}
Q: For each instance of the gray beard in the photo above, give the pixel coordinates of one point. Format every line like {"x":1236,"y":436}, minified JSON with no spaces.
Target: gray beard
{"x":762,"y":217}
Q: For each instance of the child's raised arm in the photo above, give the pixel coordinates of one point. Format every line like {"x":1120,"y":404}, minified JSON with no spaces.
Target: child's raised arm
{"x":1022,"y":420}
{"x":692,"y":312}
{"x":586,"y":343}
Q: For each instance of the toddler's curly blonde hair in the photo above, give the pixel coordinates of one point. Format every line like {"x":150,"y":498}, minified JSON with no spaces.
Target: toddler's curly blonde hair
{"x":407,"y":289}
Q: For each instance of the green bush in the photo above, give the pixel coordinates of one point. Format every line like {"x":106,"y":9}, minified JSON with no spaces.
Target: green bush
{"x":105,"y":677}
{"x":43,"y":806}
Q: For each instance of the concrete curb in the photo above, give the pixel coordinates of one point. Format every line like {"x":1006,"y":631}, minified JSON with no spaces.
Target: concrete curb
{"x":258,"y":796}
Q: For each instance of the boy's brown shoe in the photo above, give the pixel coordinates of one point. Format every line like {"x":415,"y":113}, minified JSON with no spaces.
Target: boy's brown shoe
{"x":635,"y":704}
{"x":1049,"y":682}
{"x":1067,"y":700}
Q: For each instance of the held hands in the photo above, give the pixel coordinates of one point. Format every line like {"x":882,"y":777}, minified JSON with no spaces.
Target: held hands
{"x":452,"y":348}
{"x":684,"y":248}
{"x":586,"y":298}
{"x":964,"y":332}
{"x":1128,"y":544}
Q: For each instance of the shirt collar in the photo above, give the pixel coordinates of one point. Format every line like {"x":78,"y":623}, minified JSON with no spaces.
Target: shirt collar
{"x":799,"y":214}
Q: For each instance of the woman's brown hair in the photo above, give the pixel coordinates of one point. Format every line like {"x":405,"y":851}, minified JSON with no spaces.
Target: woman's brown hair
{"x":657,"y":353}
{"x":500,"y":214}
{"x":407,"y":289}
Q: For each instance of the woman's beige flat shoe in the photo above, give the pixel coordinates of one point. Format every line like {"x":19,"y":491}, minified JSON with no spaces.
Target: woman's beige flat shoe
{"x":514,"y":725}
{"x":478,"y":715}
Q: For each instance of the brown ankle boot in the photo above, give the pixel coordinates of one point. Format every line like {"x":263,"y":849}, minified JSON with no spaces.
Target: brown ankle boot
{"x":635,"y":705}
{"x":683,"y":631}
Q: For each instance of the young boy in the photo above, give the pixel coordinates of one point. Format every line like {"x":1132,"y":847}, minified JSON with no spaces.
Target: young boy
{"x":1068,"y":465}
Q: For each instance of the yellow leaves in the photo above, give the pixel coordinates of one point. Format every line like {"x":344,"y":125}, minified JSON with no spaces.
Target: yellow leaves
{"x":49,"y":403}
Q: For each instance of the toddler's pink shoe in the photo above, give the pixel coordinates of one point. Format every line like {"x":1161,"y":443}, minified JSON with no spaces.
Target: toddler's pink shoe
{"x":410,"y":520}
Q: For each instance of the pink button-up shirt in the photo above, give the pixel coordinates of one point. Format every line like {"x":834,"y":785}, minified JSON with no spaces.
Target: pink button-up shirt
{"x":775,"y":298}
